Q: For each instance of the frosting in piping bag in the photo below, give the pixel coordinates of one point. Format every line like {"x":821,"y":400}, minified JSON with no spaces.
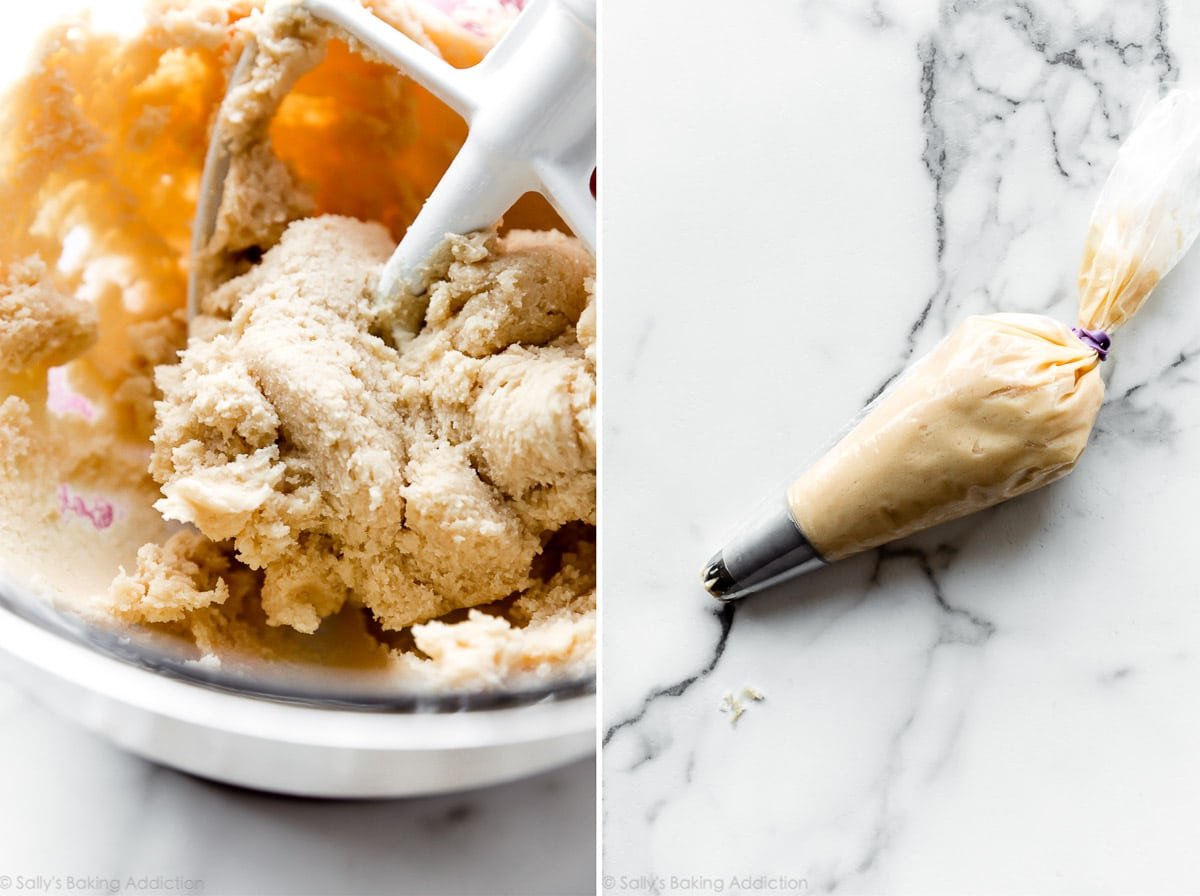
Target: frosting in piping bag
{"x":1006,"y":402}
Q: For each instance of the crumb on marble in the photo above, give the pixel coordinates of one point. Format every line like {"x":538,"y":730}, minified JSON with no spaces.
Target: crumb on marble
{"x":735,"y":706}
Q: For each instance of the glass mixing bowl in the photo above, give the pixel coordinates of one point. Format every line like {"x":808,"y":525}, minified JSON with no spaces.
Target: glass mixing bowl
{"x":285,"y":728}
{"x":329,"y":734}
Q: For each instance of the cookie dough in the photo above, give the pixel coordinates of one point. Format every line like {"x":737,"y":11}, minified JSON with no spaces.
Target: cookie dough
{"x":1006,"y":403}
{"x":313,"y":478}
{"x":1002,"y":406}
{"x":415,"y":482}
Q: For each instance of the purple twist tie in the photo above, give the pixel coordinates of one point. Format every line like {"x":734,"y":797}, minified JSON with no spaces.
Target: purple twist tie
{"x":1096,"y":340}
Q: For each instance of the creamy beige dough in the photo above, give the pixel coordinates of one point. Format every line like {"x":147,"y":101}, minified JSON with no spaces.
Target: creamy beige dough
{"x":1005,"y":404}
{"x":313,"y":478}
{"x":1002,"y":406}
{"x":415,"y":482}
{"x":43,"y":326}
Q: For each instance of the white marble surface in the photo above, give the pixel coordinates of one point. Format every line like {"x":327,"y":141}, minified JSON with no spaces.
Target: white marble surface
{"x":73,"y":807}
{"x":1003,"y":705}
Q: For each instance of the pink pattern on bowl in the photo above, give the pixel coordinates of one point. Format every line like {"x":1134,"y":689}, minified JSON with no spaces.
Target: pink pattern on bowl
{"x":482,"y":17}
{"x":100,"y":514}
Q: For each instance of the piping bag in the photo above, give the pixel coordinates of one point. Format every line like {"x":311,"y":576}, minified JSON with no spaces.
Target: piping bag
{"x":1004,"y":404}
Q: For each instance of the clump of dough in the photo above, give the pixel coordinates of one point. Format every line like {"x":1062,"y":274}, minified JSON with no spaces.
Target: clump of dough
{"x":487,"y":651}
{"x":412,"y":482}
{"x":186,"y":572}
{"x":40,"y":326}
{"x":259,"y":193}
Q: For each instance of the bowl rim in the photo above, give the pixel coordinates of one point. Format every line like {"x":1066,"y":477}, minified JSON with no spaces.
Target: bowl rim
{"x":60,"y":664}
{"x":68,"y":639}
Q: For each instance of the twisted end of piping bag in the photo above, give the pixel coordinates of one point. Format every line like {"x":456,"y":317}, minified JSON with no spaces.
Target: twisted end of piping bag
{"x":1097,"y":340}
{"x":1147,"y":215}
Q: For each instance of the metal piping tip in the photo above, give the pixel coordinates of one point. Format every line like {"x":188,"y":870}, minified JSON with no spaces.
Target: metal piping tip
{"x":717,"y":578}
{"x":769,"y":550}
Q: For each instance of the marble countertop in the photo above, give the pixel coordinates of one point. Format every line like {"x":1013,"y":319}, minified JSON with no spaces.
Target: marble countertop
{"x":72,"y":806}
{"x":1006,"y":704}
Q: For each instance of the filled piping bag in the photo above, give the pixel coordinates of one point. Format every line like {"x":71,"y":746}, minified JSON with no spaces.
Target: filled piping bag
{"x":1005,"y":403}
